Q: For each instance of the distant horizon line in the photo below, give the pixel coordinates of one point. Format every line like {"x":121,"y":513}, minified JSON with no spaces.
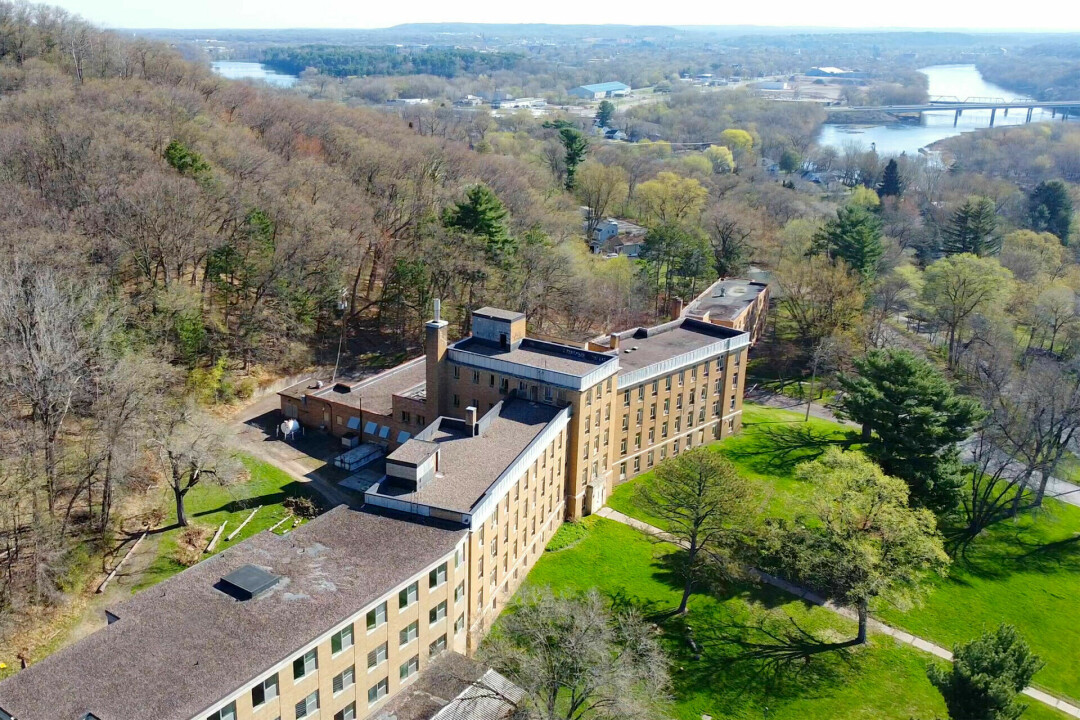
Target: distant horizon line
{"x":680,"y":27}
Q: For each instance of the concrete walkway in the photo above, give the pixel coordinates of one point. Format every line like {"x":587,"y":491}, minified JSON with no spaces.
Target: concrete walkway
{"x":897,"y":634}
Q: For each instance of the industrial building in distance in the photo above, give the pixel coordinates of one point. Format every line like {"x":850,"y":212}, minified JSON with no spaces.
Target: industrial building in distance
{"x":489,"y":443}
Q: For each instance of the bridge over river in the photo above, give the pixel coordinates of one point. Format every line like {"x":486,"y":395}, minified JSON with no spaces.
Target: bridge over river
{"x":1064,"y":107}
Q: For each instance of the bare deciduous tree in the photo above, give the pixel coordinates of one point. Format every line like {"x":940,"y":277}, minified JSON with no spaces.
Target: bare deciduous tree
{"x":575,"y":659}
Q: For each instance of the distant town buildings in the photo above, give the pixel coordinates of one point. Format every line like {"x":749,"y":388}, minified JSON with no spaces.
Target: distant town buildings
{"x":518,"y":103}
{"x":600,"y":91}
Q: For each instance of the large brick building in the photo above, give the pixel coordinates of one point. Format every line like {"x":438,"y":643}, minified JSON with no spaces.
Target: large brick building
{"x":489,"y":444}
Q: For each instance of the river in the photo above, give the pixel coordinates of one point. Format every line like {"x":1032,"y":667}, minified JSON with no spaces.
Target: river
{"x":959,"y":81}
{"x":252,"y":71}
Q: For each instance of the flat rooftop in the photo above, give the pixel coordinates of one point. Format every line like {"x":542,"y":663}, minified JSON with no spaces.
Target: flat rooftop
{"x":649,"y":346}
{"x":184,"y":644}
{"x":468,"y":464}
{"x":539,"y":354}
{"x":375,"y":394}
{"x":726,"y":299}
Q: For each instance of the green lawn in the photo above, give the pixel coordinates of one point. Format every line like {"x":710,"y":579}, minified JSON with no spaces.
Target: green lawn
{"x":1026,"y":573}
{"x":210,"y":505}
{"x":771,"y":443}
{"x":882,"y":681}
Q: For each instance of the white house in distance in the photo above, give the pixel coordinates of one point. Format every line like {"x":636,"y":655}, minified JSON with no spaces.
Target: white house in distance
{"x":617,"y":237}
{"x":599,"y":91}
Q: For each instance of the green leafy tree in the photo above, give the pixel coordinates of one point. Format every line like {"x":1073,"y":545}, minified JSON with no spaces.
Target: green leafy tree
{"x":986,"y":676}
{"x":671,"y":198}
{"x":740,"y":142}
{"x":1050,"y":209}
{"x":574,"y":143}
{"x":854,"y":237}
{"x":605,"y":112}
{"x":707,"y":507}
{"x":912,"y":419}
{"x":958,"y":288}
{"x":790,"y":161}
{"x":186,"y":161}
{"x":973,"y":229}
{"x":721,"y":158}
{"x":891,"y":184}
{"x":861,"y":542}
{"x":482,"y":214}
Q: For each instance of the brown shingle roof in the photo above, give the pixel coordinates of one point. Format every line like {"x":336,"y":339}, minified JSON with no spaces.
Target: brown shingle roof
{"x":182,"y":645}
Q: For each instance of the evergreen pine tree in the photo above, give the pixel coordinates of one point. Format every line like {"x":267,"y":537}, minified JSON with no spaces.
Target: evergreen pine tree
{"x":482,"y":214}
{"x":891,"y":185}
{"x":972,"y":229}
{"x":986,"y":676}
{"x":854,"y":237}
{"x":1050,"y":209}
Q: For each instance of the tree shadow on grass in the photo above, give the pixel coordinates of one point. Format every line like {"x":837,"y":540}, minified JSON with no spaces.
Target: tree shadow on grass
{"x":1006,"y":548}
{"x":779,"y":449}
{"x":746,"y":649}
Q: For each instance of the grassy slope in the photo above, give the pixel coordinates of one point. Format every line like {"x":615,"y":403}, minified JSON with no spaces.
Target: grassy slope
{"x":1026,"y":573}
{"x":882,"y":681}
{"x":211,"y":505}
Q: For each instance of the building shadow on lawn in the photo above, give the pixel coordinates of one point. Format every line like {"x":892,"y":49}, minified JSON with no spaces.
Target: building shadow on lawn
{"x":779,"y":449}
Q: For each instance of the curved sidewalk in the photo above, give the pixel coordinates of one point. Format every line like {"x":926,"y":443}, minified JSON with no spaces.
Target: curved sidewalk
{"x":900,"y":635}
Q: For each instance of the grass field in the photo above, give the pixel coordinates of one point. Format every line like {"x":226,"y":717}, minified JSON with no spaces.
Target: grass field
{"x":210,"y":505}
{"x":772,"y":442}
{"x":1026,"y":572}
{"x":883,"y":681}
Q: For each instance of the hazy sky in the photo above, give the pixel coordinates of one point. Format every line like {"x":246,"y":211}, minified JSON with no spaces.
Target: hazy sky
{"x":987,"y":14}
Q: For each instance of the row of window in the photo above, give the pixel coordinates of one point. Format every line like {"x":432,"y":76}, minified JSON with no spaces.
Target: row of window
{"x":680,"y":378}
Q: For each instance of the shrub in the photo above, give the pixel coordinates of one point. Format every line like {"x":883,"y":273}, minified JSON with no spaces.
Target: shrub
{"x":190,"y":544}
{"x":301,"y":506}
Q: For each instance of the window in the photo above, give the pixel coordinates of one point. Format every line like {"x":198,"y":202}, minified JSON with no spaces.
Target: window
{"x":735,"y":380}
{"x":420,"y":420}
{"x":626,"y":399}
{"x":438,"y":646}
{"x":491,"y":381}
{"x":346,"y":713}
{"x":650,"y":463}
{"x":622,"y":446}
{"x":406,"y":416}
{"x":652,"y":411}
{"x":626,"y":422}
{"x":652,"y":435}
{"x":459,"y":592}
{"x":376,"y":657}
{"x":266,"y":690}
{"x":226,"y":713}
{"x":476,"y":377}
{"x":663,"y":430}
{"x":667,"y":405}
{"x":459,"y":624}
{"x":457,"y":400}
{"x":678,"y":423}
{"x":409,"y":667}
{"x":637,"y":464}
{"x":675,"y":450}
{"x":641,"y":392}
{"x":344,"y":679}
{"x":407,"y":596}
{"x":308,"y":705}
{"x":376,"y":617}
{"x":637,"y":441}
{"x":504,"y":385}
{"x":377,"y":691}
{"x":732,"y":404}
{"x":678,"y":400}
{"x":409,"y":633}
{"x":457,"y":372}
{"x":437,"y":613}
{"x":655,"y":386}
{"x":458,"y":553}
{"x":305,"y":665}
{"x":341,"y":640}
{"x":437,"y":576}
{"x":667,"y":381}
